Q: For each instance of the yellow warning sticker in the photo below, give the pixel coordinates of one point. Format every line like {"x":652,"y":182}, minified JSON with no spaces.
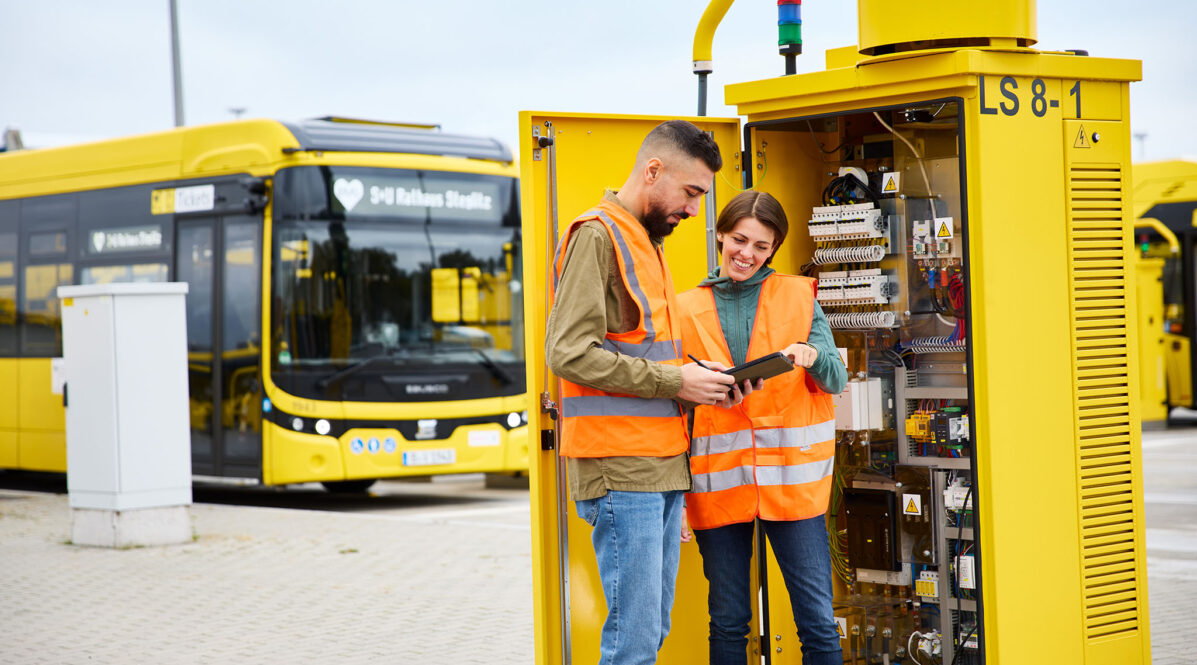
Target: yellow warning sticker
{"x":891,"y":183}
{"x":912,"y":504}
{"x":943,"y":228}
{"x":1082,"y":139}
{"x":841,"y":627}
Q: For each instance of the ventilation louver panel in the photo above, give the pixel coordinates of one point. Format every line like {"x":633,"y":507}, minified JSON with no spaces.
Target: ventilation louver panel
{"x":1102,"y":368}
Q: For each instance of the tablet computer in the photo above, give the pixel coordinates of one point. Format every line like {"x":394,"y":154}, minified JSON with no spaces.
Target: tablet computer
{"x":762,"y":368}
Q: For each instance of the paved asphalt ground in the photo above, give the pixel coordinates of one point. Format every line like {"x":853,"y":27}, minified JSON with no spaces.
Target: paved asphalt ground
{"x":435,"y":573}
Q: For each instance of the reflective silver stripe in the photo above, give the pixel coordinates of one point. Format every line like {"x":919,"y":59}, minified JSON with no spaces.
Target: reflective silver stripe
{"x":723,"y":480}
{"x":603,"y":405}
{"x":630,"y":273}
{"x":797,"y":474}
{"x":721,"y":443}
{"x":661,"y":350}
{"x":795,"y":437}
{"x":783,"y":437}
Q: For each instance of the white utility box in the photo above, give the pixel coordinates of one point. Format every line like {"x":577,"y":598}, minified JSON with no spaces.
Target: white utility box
{"x":127,"y":427}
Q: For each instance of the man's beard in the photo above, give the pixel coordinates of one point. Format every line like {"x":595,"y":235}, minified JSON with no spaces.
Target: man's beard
{"x":656,"y":222}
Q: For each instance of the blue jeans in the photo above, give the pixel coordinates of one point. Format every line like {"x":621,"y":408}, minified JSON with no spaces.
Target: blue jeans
{"x":637,"y":542}
{"x":805,"y":561}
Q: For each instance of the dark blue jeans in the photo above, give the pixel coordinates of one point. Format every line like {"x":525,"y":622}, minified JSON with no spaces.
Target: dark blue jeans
{"x":802,"y":553}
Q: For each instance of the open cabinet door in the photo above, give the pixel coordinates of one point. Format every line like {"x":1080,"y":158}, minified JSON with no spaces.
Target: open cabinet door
{"x":566,"y":162}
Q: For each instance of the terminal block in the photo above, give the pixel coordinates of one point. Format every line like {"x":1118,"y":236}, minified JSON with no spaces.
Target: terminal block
{"x":847,"y":222}
{"x":934,"y":238}
{"x":855,"y":287}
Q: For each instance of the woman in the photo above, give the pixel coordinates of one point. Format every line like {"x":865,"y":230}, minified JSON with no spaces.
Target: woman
{"x":772,"y":456}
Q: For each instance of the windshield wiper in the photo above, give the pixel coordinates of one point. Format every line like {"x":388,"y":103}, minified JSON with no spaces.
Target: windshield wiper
{"x":489,"y":363}
{"x":356,"y":367}
{"x":347,"y":371}
{"x":495,"y":368}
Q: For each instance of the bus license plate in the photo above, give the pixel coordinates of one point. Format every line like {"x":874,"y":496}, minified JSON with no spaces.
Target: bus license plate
{"x":429,"y":457}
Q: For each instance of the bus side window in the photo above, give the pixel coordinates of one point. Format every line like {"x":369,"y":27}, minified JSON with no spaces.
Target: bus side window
{"x":8,"y":278}
{"x":43,"y":320}
{"x":47,"y":248}
{"x":242,"y":290}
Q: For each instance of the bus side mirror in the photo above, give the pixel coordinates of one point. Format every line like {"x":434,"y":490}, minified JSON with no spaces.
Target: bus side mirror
{"x":258,"y":190}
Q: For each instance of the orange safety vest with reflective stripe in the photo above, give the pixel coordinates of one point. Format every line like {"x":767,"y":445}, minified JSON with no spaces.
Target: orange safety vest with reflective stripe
{"x":597,"y":423}
{"x":773,"y":455}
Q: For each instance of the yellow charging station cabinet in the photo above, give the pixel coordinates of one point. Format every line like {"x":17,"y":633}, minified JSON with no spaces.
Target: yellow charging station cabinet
{"x":964,"y":202}
{"x":1165,"y":213}
{"x":1153,"y":377}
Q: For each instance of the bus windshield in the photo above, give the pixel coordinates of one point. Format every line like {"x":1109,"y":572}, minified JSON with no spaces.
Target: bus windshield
{"x":396,"y":285}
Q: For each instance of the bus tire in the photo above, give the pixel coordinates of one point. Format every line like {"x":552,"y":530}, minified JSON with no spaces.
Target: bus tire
{"x":348,"y":486}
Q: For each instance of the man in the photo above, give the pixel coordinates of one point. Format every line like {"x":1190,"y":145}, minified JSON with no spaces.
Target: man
{"x":614,"y":339}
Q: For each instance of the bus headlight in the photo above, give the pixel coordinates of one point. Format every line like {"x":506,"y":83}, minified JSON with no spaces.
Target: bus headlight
{"x":297,"y":424}
{"x":322,"y":427}
{"x":513,"y":419}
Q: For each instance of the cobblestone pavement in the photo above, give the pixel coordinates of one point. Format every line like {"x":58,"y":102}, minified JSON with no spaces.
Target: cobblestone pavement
{"x":446,"y":583}
{"x":1170,"y":496}
{"x":435,"y":573}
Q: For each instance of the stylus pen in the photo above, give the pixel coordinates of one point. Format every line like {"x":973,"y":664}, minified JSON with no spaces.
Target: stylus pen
{"x":691,"y":357}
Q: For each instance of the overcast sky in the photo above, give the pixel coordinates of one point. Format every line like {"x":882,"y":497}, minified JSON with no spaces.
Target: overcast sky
{"x":73,"y":70}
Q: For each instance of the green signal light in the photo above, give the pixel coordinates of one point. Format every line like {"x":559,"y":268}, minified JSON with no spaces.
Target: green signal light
{"x":1144,"y":247}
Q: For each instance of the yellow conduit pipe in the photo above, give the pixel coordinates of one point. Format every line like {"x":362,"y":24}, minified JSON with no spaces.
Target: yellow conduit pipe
{"x":1158,"y":226}
{"x":704,"y":36}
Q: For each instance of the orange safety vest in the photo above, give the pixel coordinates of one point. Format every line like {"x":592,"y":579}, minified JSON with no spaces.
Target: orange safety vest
{"x":597,"y":423}
{"x":771,"y":456}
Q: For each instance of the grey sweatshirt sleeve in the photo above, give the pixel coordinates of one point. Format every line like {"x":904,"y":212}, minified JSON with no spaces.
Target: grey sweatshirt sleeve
{"x":828,"y":371}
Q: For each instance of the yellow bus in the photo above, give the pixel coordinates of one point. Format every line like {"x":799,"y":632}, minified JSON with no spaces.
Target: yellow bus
{"x":354,"y":308}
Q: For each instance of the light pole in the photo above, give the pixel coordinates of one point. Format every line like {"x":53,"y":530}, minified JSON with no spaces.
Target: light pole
{"x":178,"y":69}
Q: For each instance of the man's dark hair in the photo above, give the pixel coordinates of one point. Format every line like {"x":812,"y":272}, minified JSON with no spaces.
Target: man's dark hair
{"x":687,"y":139}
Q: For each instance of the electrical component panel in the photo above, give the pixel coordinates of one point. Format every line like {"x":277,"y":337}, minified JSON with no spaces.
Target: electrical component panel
{"x":888,"y":239}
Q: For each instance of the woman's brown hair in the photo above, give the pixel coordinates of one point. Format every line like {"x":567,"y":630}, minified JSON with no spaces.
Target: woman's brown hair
{"x":760,"y":205}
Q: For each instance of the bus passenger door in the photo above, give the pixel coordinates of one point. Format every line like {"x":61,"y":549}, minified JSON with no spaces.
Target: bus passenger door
{"x":220,"y":259}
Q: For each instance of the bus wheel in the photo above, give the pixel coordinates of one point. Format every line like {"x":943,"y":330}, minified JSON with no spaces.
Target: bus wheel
{"x":348,"y":486}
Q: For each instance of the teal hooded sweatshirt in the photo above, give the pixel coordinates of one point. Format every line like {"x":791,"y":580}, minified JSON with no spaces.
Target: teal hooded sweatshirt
{"x":736,"y":303}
